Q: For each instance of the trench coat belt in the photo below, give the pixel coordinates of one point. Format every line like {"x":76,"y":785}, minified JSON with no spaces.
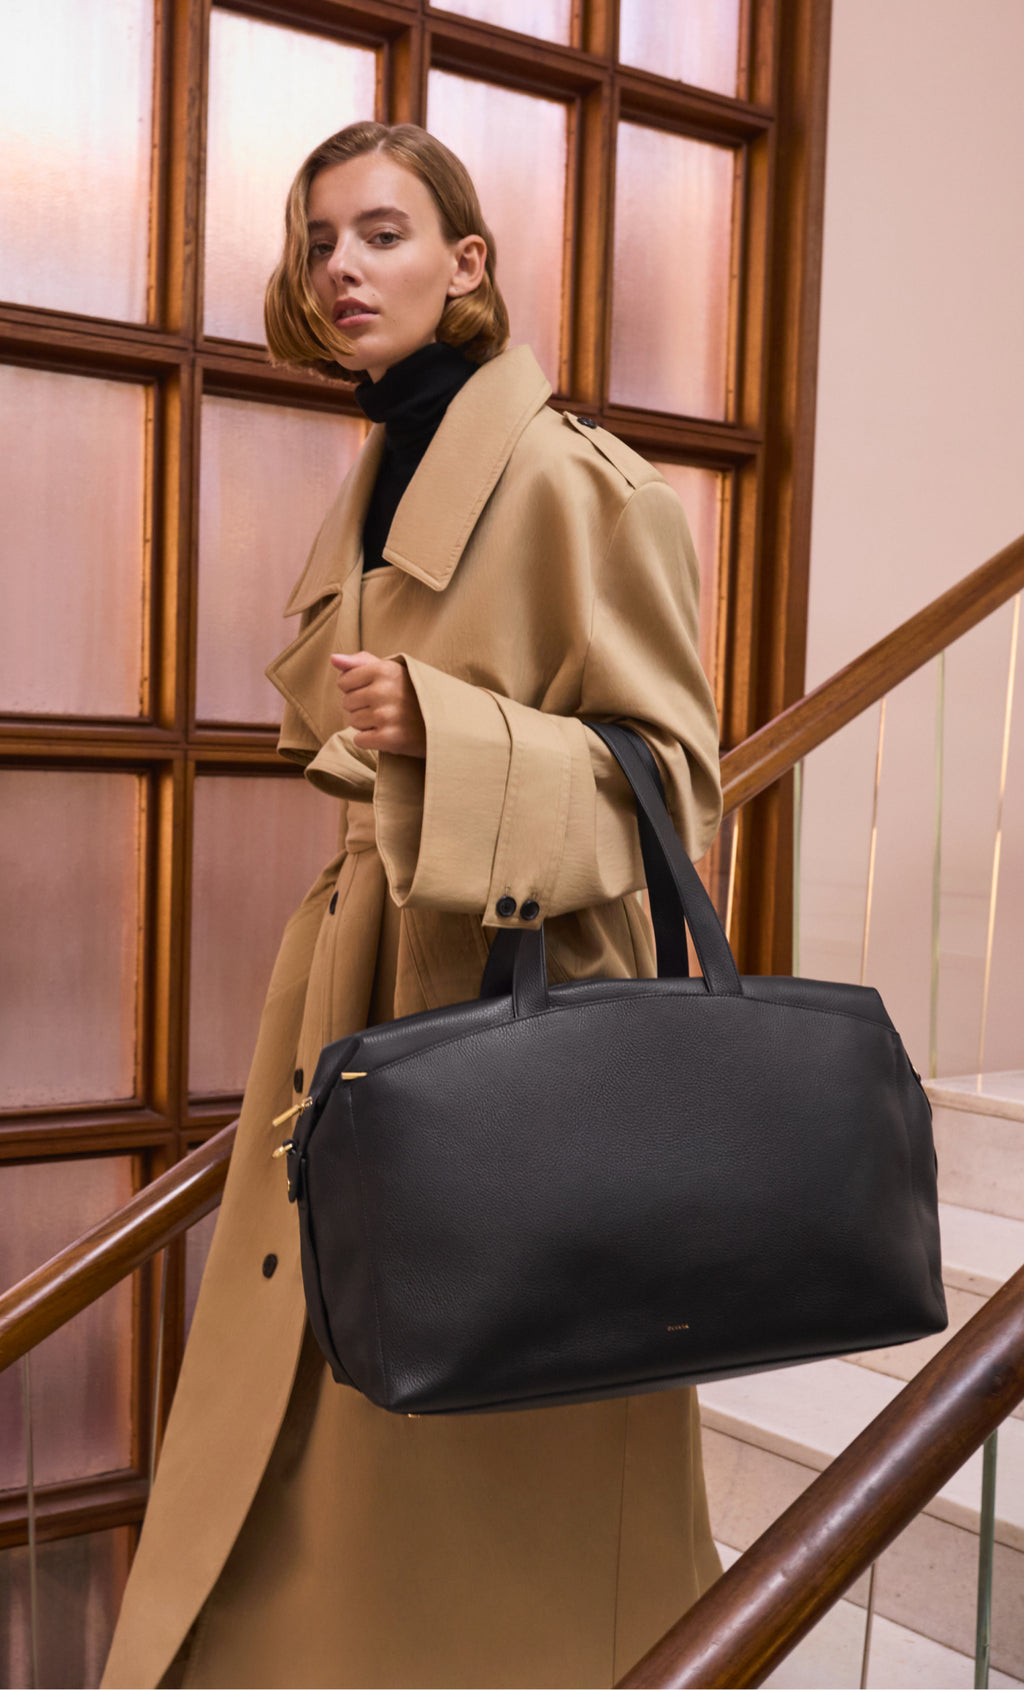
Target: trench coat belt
{"x":360,"y":832}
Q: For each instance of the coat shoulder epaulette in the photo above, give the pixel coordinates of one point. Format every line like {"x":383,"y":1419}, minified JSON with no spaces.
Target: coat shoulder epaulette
{"x":629,"y":464}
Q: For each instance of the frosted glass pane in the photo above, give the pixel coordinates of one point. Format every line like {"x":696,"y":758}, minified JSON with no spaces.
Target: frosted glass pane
{"x":70,"y":857}
{"x":976,"y":678}
{"x":516,"y":149}
{"x":700,"y":492}
{"x":258,"y":845}
{"x":81,"y":1582}
{"x":81,"y":1376}
{"x":72,"y":489}
{"x":1004,"y":1041}
{"x":275,"y":94}
{"x":76,"y":96}
{"x":670,"y":303}
{"x":903,"y":947}
{"x":697,"y":42}
{"x":267,"y":474}
{"x":838,"y":793}
{"x":550,"y":19}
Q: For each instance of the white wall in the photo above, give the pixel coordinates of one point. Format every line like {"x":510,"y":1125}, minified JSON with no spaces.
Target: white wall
{"x":919,"y":477}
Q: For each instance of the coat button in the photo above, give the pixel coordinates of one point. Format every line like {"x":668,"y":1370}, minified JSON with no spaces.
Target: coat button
{"x":297,"y":1079}
{"x":586,"y":422}
{"x":269,"y":1266}
{"x":332,"y":906}
{"x":529,"y":910}
{"x":506,"y":906}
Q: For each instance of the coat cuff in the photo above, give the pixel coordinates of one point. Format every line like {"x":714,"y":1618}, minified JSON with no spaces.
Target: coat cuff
{"x":438,"y":818}
{"x":343,"y":770}
{"x":505,"y":818}
{"x":545,"y":843}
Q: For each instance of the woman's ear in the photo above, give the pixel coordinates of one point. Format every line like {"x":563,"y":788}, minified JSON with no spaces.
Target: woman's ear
{"x":471,"y":262}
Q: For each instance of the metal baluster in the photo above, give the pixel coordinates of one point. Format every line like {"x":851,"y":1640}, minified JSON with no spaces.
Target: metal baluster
{"x":30,"y":1490}
{"x":998,"y":846}
{"x":798,"y":830}
{"x":869,"y":894}
{"x":734,"y":847}
{"x":158,"y":1372}
{"x":940,"y":746}
{"x":869,"y":1620}
{"x":869,"y":1616}
{"x":986,"y":1557}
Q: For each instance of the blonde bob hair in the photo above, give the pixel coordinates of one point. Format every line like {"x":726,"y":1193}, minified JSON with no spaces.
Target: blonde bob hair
{"x":298,"y":332}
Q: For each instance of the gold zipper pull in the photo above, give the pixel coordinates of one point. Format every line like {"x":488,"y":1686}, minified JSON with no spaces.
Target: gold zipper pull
{"x":283,"y":1149}
{"x":290,"y":1114}
{"x":297,"y":1108}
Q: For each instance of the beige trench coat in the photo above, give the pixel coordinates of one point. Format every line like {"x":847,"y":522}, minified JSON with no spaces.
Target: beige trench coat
{"x":543,"y":572}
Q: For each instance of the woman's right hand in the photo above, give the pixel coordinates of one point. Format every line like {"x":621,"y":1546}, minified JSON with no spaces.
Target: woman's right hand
{"x":381,"y":704}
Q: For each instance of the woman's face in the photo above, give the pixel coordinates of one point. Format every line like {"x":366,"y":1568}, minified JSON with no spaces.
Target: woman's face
{"x":379,"y":264}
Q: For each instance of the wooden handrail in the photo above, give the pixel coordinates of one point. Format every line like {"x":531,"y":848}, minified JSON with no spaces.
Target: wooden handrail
{"x":759,"y":1610}
{"x":774,"y":749}
{"x":77,"y":1275}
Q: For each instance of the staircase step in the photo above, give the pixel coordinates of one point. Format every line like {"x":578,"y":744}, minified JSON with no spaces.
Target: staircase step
{"x":980,"y":1250}
{"x":978,"y":1123}
{"x":981,"y":1094}
{"x":811,"y":1413}
{"x":829,"y":1658}
{"x":767,"y":1436}
{"x":979,"y":1253}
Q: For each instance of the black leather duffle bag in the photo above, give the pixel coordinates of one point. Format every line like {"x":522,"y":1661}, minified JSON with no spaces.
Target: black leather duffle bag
{"x":561,"y":1193}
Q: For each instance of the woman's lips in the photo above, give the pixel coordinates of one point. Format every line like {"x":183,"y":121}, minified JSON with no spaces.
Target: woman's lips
{"x":353,"y":317}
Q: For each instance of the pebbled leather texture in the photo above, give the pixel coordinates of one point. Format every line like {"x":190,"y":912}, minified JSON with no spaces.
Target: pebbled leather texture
{"x":561,"y":1193}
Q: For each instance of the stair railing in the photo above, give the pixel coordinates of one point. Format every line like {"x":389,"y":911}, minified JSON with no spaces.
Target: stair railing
{"x":113,"y":1249}
{"x":781,"y":1586}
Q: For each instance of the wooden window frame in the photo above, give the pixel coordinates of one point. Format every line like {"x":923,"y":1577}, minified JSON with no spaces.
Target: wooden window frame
{"x":765,"y":451}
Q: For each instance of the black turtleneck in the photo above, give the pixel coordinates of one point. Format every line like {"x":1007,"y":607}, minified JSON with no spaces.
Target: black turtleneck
{"x":410,"y":399}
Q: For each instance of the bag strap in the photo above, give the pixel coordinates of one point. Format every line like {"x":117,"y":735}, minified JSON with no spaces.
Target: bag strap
{"x":516,"y":963}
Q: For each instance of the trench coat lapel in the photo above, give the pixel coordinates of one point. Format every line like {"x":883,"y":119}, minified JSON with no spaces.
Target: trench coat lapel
{"x":461,"y":466}
{"x":440,"y":506}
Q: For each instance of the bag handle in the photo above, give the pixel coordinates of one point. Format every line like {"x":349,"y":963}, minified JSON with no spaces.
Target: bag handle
{"x":516,"y":963}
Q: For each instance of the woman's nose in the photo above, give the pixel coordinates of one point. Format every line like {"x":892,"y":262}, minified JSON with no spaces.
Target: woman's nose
{"x":342,"y":266}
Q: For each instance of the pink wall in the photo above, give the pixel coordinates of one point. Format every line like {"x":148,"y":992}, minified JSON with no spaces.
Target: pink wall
{"x":919,"y":476}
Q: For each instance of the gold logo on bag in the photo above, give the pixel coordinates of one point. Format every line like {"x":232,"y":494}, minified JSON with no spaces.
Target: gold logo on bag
{"x":681,"y":1326}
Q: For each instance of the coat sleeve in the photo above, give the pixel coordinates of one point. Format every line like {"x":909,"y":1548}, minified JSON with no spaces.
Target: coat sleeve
{"x":539,"y":807}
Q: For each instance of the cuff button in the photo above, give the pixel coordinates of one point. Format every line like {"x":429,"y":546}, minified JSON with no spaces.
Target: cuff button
{"x":506,"y":906}
{"x":530,"y":910}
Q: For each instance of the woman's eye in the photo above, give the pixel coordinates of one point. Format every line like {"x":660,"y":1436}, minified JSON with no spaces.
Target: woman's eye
{"x":386,"y":237}
{"x":320,"y":249}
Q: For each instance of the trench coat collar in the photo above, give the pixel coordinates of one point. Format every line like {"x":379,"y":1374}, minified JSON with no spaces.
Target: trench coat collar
{"x":461,"y":466}
{"x":441,"y":505}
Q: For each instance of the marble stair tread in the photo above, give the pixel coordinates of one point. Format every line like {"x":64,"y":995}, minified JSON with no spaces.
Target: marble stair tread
{"x":811,"y":1413}
{"x":980,"y":1251}
{"x":830,"y":1655}
{"x":981,"y":1094}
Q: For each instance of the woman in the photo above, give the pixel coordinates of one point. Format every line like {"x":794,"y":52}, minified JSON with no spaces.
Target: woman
{"x":491,"y":572}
